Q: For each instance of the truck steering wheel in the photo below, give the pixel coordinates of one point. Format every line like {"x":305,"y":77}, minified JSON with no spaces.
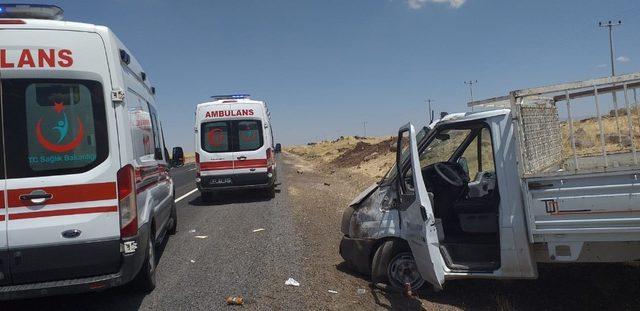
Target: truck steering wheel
{"x":448,"y":174}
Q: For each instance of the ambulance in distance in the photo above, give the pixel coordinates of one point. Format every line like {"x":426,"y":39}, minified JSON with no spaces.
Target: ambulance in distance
{"x":234,"y":145}
{"x":86,"y":193}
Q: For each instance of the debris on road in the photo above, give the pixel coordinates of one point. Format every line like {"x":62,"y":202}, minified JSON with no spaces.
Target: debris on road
{"x":331,"y":291}
{"x":192,"y":231}
{"x":292,"y":282}
{"x":201,"y":236}
{"x":235,"y":300}
{"x":258,"y":230}
{"x":327,"y":184}
{"x":192,"y":261}
{"x":361,"y":291}
{"x":299,"y":172}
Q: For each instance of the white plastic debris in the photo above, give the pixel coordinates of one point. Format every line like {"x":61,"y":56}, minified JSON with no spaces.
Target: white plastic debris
{"x":361,"y":291}
{"x":192,"y":261}
{"x":332,"y":291}
{"x":258,"y":230}
{"x":201,"y":236}
{"x":192,"y":231}
{"x":292,"y":282}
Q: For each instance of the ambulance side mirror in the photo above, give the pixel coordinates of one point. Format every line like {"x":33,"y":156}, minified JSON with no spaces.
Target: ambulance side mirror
{"x":278,"y":148}
{"x":177,"y":158}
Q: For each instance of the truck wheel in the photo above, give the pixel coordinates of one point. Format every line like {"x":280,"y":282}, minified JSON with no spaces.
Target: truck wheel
{"x":394,"y":264}
{"x":145,"y":281}
{"x":174,"y":220}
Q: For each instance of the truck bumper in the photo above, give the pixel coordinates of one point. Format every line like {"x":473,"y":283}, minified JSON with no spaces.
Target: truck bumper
{"x":357,"y":253}
{"x":131,"y":264}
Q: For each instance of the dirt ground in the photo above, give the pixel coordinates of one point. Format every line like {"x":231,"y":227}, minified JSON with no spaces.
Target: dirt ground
{"x":320,"y":192}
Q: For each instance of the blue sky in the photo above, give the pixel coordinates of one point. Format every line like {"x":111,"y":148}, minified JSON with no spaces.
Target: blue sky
{"x":325,"y":67}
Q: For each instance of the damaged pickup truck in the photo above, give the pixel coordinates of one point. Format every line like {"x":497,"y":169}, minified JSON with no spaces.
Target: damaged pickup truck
{"x":491,"y":193}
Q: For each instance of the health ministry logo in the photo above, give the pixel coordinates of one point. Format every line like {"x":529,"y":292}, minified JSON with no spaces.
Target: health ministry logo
{"x":62,"y":129}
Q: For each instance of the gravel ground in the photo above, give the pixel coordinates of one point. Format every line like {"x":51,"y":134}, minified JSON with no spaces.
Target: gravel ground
{"x":318,"y":207}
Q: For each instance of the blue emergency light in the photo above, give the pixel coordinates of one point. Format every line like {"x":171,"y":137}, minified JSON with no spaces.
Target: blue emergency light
{"x":232,"y":96}
{"x":35,"y":11}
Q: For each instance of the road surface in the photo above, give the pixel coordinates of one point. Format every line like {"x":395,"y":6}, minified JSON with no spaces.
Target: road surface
{"x":198,"y":273}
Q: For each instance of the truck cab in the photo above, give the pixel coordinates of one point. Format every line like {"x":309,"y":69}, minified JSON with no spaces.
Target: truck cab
{"x":499,"y":190}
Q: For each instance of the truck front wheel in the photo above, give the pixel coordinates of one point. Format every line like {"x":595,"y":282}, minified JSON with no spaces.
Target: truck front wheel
{"x":393,"y":263}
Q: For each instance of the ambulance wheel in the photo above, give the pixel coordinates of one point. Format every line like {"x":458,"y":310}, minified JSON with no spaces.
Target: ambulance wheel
{"x":145,"y":281}
{"x":174,"y":220}
{"x":394,"y":264}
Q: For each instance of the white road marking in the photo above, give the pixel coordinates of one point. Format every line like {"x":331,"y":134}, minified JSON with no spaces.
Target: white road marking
{"x":186,"y":195}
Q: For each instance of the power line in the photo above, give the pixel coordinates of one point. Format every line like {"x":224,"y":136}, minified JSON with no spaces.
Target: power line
{"x":429,"y":101}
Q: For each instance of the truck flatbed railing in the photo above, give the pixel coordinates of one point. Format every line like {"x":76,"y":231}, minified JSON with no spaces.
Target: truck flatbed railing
{"x":575,"y":137}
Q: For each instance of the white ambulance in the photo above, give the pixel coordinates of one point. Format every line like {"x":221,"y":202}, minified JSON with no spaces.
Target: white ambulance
{"x":234,"y":145}
{"x":85,"y":188}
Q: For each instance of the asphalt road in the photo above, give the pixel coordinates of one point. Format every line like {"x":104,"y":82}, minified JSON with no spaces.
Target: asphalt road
{"x":198,"y":273}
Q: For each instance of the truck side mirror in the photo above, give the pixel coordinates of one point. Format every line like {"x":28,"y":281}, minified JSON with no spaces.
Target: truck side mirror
{"x":178,"y":156}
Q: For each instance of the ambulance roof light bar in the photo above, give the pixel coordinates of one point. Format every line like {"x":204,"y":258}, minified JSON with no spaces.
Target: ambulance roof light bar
{"x":35,"y":11}
{"x":232,"y":96}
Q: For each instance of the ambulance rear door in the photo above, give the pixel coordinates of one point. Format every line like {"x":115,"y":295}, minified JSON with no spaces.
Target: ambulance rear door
{"x":61,"y":153}
{"x":216,"y":146}
{"x":252,"y":151}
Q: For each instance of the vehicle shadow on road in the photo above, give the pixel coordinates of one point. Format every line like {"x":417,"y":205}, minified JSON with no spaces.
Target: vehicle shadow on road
{"x":123,"y":298}
{"x":233,"y":197}
{"x":564,"y":287}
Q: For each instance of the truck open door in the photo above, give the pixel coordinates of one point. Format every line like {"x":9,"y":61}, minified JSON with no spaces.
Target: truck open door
{"x":416,"y":212}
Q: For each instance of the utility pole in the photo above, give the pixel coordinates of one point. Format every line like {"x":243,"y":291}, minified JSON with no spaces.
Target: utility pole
{"x":429,"y":101}
{"x":610,"y":25}
{"x":364,"y":126}
{"x":471,"y":83}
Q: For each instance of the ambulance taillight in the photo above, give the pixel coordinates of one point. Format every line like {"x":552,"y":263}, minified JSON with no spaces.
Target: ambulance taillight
{"x":270,"y":161}
{"x":127,"y":205}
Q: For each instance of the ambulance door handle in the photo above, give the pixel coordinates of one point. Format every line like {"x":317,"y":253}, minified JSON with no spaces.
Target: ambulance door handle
{"x":242,"y":158}
{"x":36,"y":196}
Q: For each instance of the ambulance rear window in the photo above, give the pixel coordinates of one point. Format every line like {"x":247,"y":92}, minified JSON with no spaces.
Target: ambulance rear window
{"x":53,"y":126}
{"x":230,"y":136}
{"x":215,"y":137}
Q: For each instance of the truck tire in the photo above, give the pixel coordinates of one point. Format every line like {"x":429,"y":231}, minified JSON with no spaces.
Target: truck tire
{"x":145,"y":281}
{"x":393,"y":263}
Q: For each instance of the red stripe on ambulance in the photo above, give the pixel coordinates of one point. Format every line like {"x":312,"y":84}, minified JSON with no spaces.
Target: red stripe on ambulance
{"x":67,"y":194}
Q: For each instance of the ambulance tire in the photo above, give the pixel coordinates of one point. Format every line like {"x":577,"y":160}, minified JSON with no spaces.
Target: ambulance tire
{"x":145,"y":281}
{"x":174,"y":220}
{"x":393,"y":263}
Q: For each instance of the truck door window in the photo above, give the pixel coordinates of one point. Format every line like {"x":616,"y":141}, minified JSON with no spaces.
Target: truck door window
{"x":478,"y":156}
{"x":57,"y":126}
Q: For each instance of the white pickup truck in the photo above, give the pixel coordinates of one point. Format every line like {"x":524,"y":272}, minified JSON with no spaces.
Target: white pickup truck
{"x":546,"y":174}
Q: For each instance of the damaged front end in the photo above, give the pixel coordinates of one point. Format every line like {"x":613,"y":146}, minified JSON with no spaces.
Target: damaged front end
{"x":367,"y":219}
